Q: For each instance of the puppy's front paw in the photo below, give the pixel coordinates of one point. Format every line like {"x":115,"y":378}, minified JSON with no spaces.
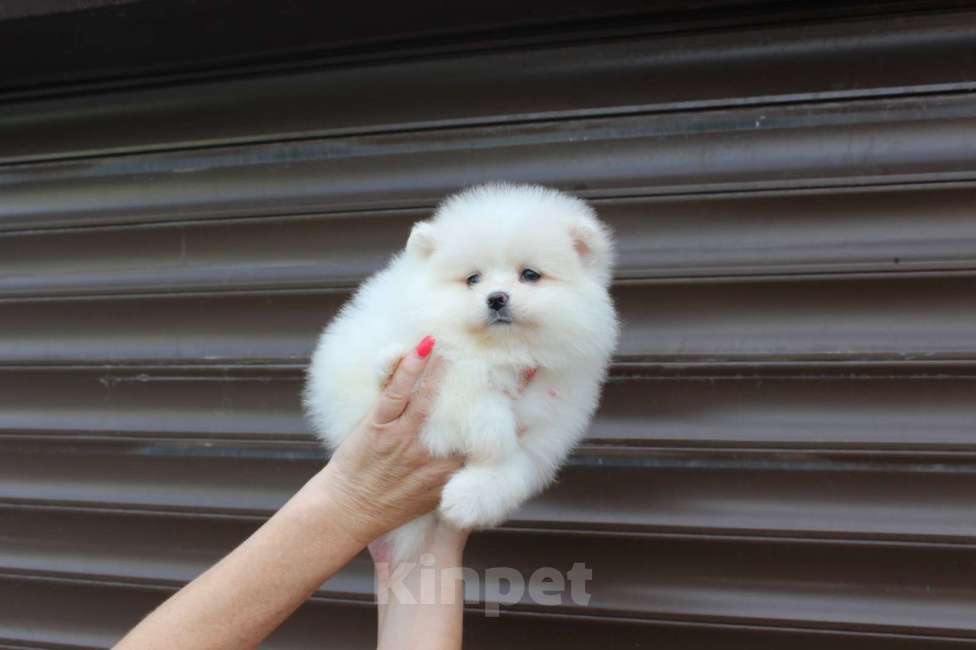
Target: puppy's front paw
{"x":472,"y":498}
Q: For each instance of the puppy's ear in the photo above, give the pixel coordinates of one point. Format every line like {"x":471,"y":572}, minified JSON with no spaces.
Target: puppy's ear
{"x":592,"y":242}
{"x":421,"y":241}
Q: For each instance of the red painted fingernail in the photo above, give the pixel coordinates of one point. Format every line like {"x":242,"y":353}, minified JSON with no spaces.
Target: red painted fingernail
{"x":425,"y":346}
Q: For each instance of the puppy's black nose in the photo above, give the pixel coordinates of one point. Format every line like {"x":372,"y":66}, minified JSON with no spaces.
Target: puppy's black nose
{"x":497,"y":300}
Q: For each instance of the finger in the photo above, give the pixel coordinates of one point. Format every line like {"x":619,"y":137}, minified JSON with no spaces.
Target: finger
{"x":423,"y":398}
{"x":395,"y":397}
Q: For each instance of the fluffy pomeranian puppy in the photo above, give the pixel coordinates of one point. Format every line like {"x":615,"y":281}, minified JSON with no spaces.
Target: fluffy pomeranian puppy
{"x":512,"y":281}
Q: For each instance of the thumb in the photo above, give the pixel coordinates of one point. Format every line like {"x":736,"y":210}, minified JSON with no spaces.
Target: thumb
{"x":395,"y":397}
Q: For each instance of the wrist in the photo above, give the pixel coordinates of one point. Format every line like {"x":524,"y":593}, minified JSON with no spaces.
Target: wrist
{"x":449,"y":552}
{"x":337,"y":505}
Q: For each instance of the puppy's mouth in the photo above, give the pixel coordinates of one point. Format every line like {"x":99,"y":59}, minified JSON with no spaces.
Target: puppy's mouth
{"x":501,"y":316}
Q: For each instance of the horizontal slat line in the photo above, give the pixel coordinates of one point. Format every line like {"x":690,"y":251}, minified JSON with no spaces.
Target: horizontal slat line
{"x":693,"y":494}
{"x":716,"y":535}
{"x":550,"y":632}
{"x":588,"y":455}
{"x":793,"y":236}
{"x":589,"y":447}
{"x":280,"y":440}
{"x":603,"y":447}
{"x":343,"y":291}
{"x":599,"y":201}
{"x":930,"y":462}
{"x":7,"y":573}
{"x":750,"y":237}
{"x":611,"y":594}
{"x":599,"y":446}
{"x":521,"y":609}
{"x":922,"y":409}
{"x":588,"y":27}
{"x":920,"y":92}
{"x":732,"y":626}
{"x":799,"y":277}
{"x":704,"y":370}
{"x":692,"y":121}
{"x":683,"y":119}
{"x":964,"y":270}
{"x":868,"y":631}
{"x":783,"y":367}
{"x":102,"y":508}
{"x":670,"y":153}
{"x":831,"y":320}
{"x":715,"y":69}
{"x":638,"y":366}
{"x":580,"y":529}
{"x":425,"y":208}
{"x":590,"y":451}
{"x":676,"y":366}
{"x":597,"y":198}
{"x":514,"y":613}
{"x":420,"y":128}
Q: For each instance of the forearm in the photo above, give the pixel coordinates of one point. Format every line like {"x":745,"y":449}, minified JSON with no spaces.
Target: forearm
{"x":430,"y":616}
{"x":241,"y":599}
{"x":379,"y":478}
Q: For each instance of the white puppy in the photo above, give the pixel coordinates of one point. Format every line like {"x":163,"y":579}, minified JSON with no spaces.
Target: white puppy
{"x":511,"y":280}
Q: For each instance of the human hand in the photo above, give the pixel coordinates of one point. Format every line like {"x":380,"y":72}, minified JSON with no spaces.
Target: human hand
{"x":382,"y":476}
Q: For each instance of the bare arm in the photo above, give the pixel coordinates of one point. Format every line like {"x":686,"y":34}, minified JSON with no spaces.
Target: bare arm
{"x":379,"y":478}
{"x":409,"y":616}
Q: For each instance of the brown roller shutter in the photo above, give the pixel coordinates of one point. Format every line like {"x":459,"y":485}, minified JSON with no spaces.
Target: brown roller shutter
{"x":784,"y":457}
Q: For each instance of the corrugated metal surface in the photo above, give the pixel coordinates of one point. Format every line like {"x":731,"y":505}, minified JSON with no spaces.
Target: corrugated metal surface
{"x":786,"y":453}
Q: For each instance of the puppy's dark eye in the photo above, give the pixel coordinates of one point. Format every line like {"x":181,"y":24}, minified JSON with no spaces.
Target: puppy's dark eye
{"x":528,"y":275}
{"x":474,"y":278}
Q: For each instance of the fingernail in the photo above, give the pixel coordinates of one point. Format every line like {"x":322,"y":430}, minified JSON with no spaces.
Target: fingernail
{"x":425,"y":346}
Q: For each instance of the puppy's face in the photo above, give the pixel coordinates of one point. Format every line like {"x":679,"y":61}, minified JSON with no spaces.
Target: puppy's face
{"x":513,"y":271}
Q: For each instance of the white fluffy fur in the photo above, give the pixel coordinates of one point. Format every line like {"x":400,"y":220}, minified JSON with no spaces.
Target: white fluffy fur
{"x":563,"y":324}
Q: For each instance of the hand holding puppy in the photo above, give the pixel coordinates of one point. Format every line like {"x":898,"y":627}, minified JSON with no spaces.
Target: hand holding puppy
{"x":382,"y":475}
